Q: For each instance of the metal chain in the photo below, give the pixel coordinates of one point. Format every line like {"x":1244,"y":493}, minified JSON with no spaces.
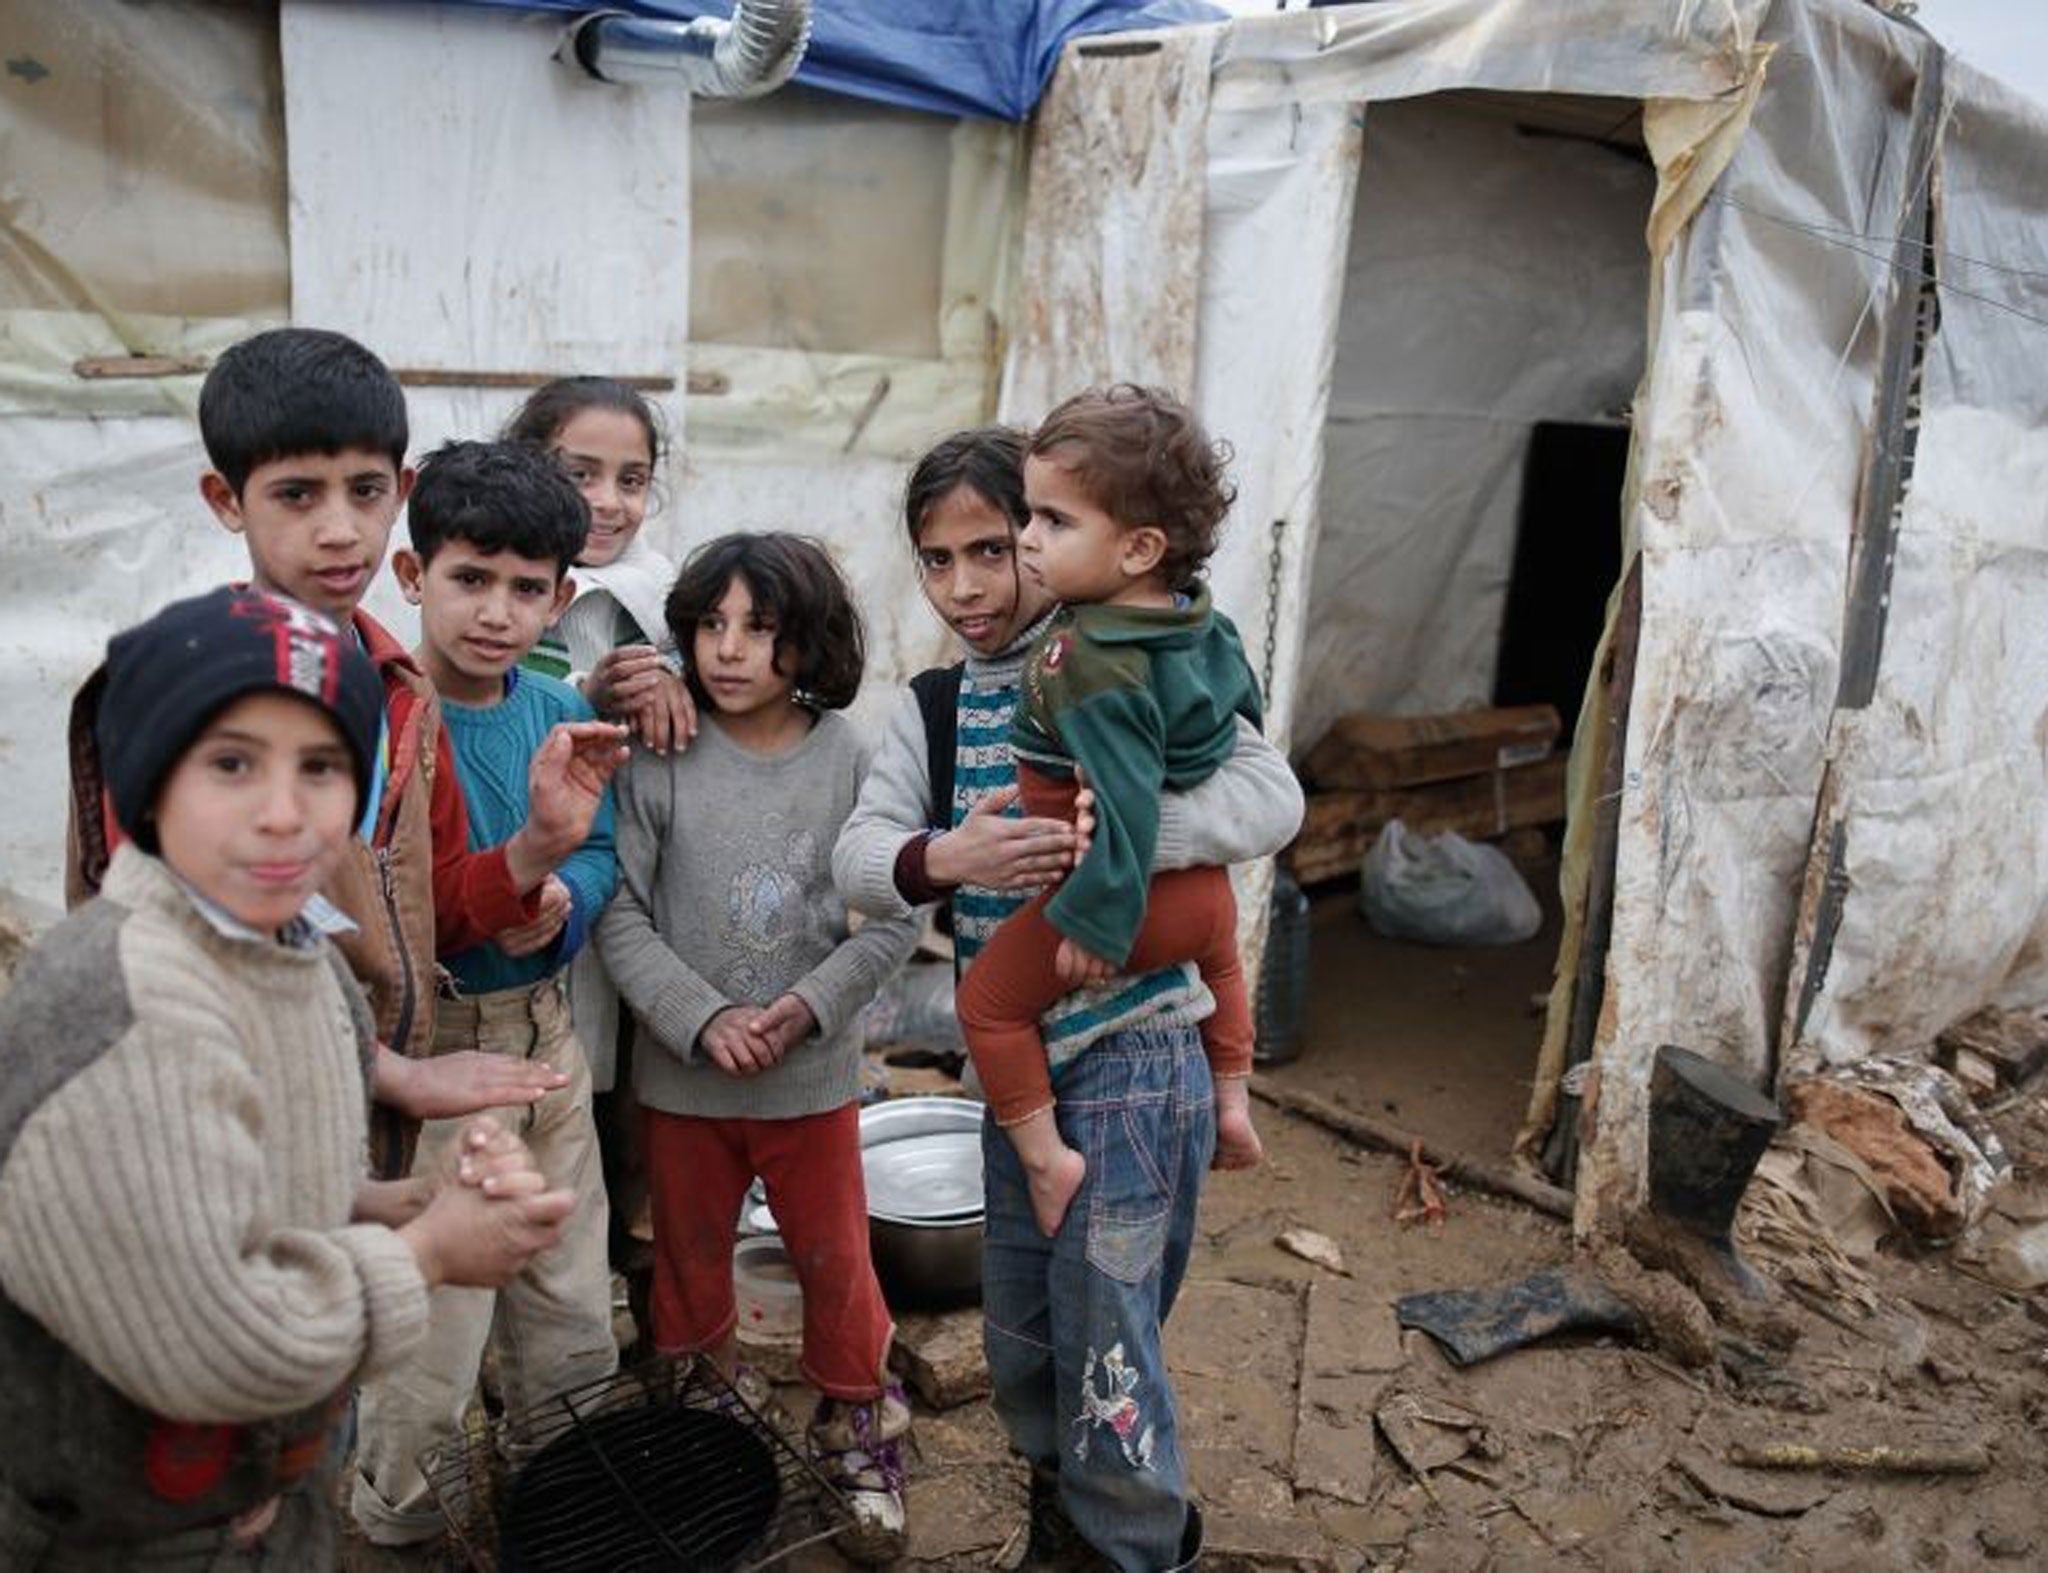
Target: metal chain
{"x":1273,"y":560}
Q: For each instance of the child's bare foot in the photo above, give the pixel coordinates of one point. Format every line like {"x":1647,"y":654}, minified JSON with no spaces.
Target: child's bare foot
{"x":1052,"y":1185}
{"x":1053,"y":1171}
{"x":1237,"y":1144}
{"x":1237,"y":1139}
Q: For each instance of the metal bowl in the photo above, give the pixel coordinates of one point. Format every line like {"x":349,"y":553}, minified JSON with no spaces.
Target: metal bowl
{"x":927,"y":1266}
{"x":932,"y":1261}
{"x":898,"y":1117}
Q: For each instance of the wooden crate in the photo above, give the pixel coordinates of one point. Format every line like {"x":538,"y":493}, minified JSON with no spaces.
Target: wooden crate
{"x":1339,"y":827}
{"x":1364,"y":753}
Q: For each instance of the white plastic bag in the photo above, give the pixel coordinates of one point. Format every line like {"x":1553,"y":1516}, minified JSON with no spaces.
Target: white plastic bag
{"x":1445,"y":890}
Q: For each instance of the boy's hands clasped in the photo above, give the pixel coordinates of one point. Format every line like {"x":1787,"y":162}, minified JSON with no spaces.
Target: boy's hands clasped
{"x":491,"y":1214}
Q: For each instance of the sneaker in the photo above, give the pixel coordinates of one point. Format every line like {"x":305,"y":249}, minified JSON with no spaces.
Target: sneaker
{"x":859,"y":1449}
{"x":748,"y":1389}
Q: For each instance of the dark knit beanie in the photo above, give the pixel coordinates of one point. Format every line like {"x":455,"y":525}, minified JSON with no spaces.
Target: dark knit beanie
{"x":168,"y":677}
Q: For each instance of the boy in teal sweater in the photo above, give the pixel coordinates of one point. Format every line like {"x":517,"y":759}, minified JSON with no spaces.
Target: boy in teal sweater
{"x":1136,"y":685}
{"x":495,"y":527}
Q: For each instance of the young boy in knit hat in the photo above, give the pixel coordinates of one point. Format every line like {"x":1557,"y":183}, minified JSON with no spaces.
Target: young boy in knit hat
{"x":186,"y":1295}
{"x":305,"y":433}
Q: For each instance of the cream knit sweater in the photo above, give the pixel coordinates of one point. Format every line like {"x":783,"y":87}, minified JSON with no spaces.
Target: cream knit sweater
{"x":182,"y":1133}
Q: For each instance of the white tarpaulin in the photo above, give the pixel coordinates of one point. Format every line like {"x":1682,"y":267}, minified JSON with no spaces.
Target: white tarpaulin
{"x":1780,"y":135}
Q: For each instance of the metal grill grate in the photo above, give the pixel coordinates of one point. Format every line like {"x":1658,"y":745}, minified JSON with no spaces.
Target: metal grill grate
{"x":660,"y":1467}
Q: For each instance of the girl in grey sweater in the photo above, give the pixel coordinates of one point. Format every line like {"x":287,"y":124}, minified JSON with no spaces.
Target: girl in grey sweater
{"x":731,"y":946}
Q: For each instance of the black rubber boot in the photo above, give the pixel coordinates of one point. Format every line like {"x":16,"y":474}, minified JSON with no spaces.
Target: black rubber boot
{"x":1055,"y":1545}
{"x":1707,"y":1131}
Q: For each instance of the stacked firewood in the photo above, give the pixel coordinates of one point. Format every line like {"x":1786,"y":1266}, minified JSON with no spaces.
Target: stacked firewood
{"x":1481,"y":773}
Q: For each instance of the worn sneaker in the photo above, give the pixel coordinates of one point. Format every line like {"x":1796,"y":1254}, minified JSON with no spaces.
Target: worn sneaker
{"x":747,"y":1389}
{"x":859,"y":1448}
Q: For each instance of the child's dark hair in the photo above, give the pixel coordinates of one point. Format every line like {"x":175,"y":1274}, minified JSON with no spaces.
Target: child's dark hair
{"x":499,"y":497}
{"x":988,"y":460}
{"x":553,"y":405}
{"x":820,"y":644}
{"x":293,"y":391}
{"x":1143,"y":458}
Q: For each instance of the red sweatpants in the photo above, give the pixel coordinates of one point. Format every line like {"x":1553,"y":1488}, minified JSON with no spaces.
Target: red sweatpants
{"x":1190,"y":915}
{"x":698,"y":1171}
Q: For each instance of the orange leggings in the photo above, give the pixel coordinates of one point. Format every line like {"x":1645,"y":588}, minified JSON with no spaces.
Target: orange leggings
{"x":1190,"y":915}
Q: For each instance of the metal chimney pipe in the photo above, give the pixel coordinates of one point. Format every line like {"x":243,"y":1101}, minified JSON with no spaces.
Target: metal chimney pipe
{"x":753,"y":53}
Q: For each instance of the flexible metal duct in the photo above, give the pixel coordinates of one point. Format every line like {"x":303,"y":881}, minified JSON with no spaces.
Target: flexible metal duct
{"x":753,"y":53}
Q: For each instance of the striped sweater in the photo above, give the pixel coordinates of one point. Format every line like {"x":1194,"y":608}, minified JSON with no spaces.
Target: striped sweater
{"x":982,"y":764}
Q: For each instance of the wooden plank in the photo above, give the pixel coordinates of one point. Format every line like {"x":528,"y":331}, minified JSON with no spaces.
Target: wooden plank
{"x":1589,"y":977}
{"x":1366,"y":752}
{"x":1349,"y":1355}
{"x":1339,"y":827}
{"x":1908,"y":322}
{"x":101,"y":368}
{"x":2014,"y":1043}
{"x":460,"y":377}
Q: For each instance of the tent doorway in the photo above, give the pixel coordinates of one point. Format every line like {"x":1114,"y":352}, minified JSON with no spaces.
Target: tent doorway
{"x":1491,"y":337}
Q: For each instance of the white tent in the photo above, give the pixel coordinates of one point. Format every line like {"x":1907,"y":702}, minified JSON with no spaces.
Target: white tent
{"x":1823,"y":831}
{"x":1378,"y":243}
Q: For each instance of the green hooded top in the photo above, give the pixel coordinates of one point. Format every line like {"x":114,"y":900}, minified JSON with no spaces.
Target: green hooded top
{"x":1143,"y":700}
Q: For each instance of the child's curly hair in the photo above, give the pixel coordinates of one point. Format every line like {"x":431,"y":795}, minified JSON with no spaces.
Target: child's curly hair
{"x":1143,"y":458}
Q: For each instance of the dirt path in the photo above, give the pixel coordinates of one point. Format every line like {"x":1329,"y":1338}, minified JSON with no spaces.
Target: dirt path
{"x":1584,"y":1454}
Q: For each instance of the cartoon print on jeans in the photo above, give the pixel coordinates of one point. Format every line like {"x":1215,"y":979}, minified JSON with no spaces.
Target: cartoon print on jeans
{"x":1113,"y":1407}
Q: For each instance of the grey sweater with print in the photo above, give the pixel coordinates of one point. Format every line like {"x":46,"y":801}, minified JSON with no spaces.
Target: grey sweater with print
{"x":726,"y":898}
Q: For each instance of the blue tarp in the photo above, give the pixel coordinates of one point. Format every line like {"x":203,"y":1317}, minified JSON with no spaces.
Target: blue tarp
{"x":990,"y":58}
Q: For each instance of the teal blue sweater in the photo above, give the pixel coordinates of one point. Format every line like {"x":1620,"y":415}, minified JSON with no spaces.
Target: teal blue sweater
{"x":1144,"y":700}
{"x":493,"y":745}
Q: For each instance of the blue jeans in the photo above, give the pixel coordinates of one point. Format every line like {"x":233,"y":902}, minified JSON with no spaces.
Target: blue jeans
{"x":1072,"y":1324}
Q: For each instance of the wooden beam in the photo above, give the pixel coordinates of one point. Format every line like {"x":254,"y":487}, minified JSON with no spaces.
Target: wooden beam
{"x":1596,"y":932}
{"x":1369,"y":1132}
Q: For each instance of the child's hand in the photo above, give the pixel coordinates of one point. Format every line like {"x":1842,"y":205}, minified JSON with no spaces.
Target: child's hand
{"x":492,"y":1159}
{"x":729,"y":1043}
{"x":485,"y":1241}
{"x":526,"y":939}
{"x":1077,"y":967}
{"x":1084,"y":815}
{"x":622,"y":678}
{"x":465,"y":1082}
{"x":998,"y":853}
{"x":782,"y":1025}
{"x":667,"y":718}
{"x":564,"y":786}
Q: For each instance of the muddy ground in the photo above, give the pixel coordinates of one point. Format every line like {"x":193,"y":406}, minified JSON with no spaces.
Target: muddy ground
{"x":1581,"y":1453}
{"x":1588,"y":1453}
